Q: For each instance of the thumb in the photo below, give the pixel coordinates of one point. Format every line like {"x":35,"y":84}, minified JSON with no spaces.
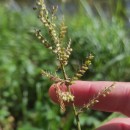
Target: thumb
{"x":116,"y":124}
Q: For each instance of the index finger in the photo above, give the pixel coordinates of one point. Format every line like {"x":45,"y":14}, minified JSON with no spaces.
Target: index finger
{"x":117,"y":101}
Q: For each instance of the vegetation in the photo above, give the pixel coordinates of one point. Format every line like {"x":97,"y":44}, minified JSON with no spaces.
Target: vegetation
{"x":24,"y":93}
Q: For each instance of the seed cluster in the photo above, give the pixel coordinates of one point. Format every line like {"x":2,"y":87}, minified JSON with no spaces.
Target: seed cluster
{"x":83,"y":68}
{"x":67,"y":97}
{"x":63,"y":97}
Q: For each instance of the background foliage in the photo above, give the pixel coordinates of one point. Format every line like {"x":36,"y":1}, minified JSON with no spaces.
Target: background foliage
{"x":25,"y":104}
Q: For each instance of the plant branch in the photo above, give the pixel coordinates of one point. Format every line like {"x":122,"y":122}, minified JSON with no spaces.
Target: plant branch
{"x":73,"y":106}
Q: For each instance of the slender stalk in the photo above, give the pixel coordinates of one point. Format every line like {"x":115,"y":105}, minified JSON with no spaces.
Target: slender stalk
{"x":76,"y":117}
{"x":73,"y":106}
{"x":64,"y":73}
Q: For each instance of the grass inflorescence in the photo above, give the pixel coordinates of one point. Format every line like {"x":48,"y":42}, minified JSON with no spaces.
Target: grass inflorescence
{"x":62,"y":50}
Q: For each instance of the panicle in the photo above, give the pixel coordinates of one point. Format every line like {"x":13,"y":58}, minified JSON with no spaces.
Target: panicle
{"x":47,"y":19}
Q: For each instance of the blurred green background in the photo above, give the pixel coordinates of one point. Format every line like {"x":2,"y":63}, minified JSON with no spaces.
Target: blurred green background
{"x":99,"y":27}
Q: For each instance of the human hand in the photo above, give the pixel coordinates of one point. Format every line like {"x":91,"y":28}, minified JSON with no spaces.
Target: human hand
{"x":117,"y":101}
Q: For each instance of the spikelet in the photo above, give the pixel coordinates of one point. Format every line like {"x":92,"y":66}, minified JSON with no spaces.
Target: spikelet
{"x":53,"y":13}
{"x":63,"y":30}
{"x":84,"y":67}
{"x":69,"y":49}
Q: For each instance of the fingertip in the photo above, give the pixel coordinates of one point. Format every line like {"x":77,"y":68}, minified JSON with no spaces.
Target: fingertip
{"x":116,"y":124}
{"x":52,"y":93}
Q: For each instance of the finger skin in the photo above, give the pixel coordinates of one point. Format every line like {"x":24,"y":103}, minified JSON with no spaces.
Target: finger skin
{"x":117,"y":101}
{"x":116,"y":124}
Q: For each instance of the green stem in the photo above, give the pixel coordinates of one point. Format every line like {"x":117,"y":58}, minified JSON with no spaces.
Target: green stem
{"x":74,"y":108}
{"x":64,"y":73}
{"x":76,"y":117}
